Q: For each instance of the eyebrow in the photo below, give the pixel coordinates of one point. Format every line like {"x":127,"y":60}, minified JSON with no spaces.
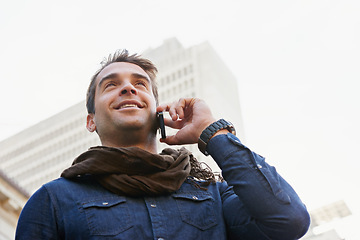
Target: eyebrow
{"x":115,"y":75}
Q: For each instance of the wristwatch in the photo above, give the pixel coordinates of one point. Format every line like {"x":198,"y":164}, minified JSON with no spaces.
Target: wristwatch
{"x":211,"y":130}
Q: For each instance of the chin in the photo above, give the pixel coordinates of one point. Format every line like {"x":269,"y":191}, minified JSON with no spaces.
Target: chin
{"x":133,"y":124}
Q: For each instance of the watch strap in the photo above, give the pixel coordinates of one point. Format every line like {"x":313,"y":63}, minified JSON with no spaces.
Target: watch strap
{"x":210,"y":131}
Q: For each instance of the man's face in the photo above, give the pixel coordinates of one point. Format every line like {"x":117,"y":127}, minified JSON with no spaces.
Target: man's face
{"x":123,"y":101}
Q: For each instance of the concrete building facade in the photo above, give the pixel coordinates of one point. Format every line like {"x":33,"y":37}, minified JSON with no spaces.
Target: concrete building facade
{"x":12,"y":199}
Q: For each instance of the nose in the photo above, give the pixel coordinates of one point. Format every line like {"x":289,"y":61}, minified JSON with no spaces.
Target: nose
{"x":128,"y":88}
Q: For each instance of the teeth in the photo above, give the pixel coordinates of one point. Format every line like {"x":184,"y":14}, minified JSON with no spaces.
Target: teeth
{"x":128,"y":105}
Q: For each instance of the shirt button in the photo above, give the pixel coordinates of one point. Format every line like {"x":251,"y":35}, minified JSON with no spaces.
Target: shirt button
{"x":161,"y":239}
{"x":105,"y":203}
{"x":195,"y":197}
{"x":259,"y":166}
{"x":154,"y":206}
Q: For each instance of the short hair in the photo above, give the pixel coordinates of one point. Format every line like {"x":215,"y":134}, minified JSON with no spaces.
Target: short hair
{"x":122,"y":56}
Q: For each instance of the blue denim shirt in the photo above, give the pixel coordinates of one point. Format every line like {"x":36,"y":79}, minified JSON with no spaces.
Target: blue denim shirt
{"x":254,"y":203}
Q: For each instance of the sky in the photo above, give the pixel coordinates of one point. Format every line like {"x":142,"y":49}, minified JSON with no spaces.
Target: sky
{"x":296,"y":62}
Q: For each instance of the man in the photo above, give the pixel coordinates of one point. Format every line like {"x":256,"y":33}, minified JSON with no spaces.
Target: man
{"x":125,"y":190}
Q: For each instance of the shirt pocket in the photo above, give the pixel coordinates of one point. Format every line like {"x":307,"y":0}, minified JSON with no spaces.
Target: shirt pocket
{"x":273,"y":179}
{"x":196,"y":209}
{"x":107,"y":216}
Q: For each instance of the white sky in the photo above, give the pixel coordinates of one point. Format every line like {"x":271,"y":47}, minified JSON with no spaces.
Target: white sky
{"x":297,"y":63}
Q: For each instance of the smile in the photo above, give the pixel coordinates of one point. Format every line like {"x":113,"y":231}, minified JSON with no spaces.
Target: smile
{"x":128,"y":106}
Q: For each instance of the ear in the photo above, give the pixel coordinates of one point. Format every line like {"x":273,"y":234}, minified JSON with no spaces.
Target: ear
{"x":90,"y":122}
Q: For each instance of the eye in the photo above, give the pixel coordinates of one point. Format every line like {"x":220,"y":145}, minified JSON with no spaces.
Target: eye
{"x":141,"y":83}
{"x":110,"y":84}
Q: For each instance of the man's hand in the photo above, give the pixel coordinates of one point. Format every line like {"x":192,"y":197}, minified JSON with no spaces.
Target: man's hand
{"x":190,"y":115}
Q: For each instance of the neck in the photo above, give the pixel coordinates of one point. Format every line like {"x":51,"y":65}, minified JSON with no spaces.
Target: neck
{"x":132,"y":139}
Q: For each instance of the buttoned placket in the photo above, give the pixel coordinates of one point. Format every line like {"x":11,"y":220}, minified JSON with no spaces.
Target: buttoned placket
{"x":157,"y":217}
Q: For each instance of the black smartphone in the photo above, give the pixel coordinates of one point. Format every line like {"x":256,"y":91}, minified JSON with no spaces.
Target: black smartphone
{"x":160,"y":117}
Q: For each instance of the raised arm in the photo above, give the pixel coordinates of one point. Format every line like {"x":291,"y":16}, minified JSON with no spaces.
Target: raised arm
{"x":258,"y":202}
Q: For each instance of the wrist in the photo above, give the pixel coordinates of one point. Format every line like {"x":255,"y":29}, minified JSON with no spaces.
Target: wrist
{"x":220,"y":132}
{"x":216,"y":128}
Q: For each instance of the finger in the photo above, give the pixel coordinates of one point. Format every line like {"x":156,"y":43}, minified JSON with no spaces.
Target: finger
{"x":172,"y":112}
{"x":187,"y":105}
{"x":170,"y":140}
{"x":163,"y":107}
{"x":168,"y":108}
{"x":180,"y":107}
{"x":176,"y":109}
{"x":173,"y":124}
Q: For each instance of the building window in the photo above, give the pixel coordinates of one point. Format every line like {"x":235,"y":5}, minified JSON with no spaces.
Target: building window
{"x":190,"y":68}
{"x":191,"y":82}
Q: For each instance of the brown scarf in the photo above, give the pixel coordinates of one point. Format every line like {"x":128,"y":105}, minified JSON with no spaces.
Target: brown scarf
{"x":133,"y":171}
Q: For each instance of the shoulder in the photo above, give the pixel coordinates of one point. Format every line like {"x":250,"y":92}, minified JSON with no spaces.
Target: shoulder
{"x":64,"y":183}
{"x":45,"y":190}
{"x":62,"y":190}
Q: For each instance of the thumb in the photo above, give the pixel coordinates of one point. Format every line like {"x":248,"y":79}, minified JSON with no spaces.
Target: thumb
{"x":170,"y":140}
